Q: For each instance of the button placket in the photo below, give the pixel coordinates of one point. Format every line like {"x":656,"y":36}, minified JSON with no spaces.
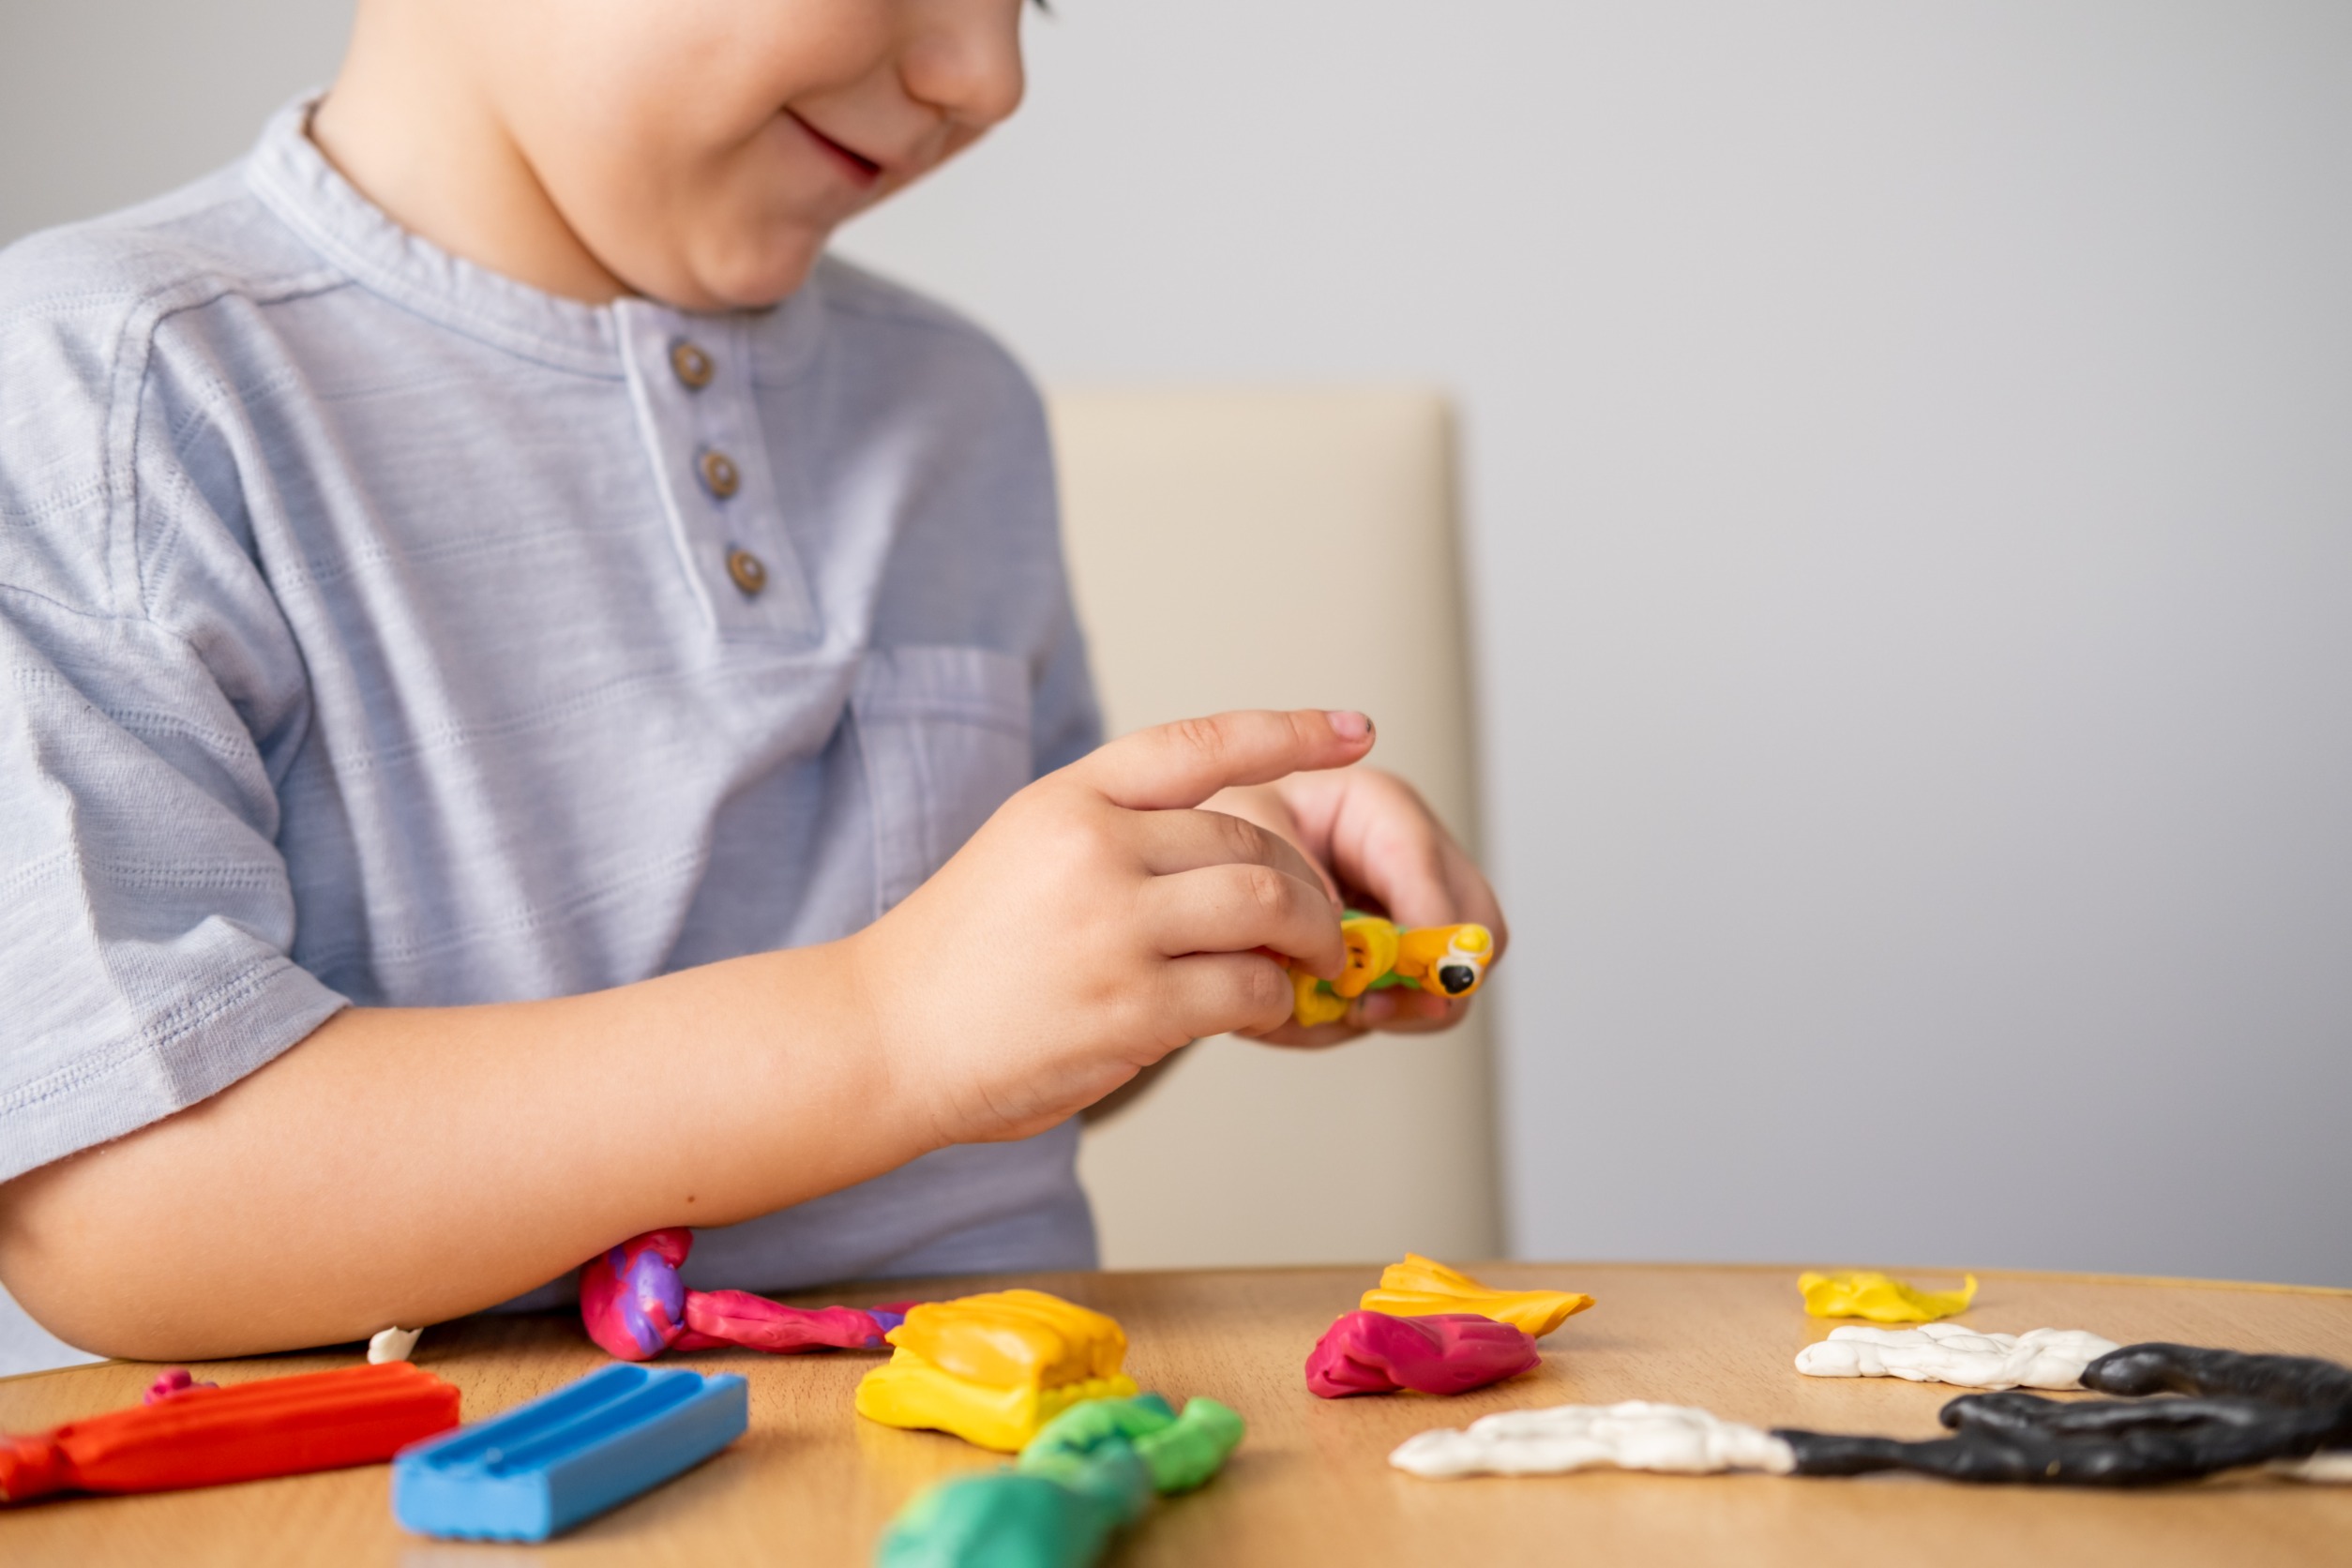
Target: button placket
{"x":690,"y":379}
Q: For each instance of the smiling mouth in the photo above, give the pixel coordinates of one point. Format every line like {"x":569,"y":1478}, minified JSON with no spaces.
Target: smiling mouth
{"x":864,"y":170}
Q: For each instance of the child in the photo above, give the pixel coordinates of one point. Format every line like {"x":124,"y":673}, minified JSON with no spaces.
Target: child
{"x":538,"y":707}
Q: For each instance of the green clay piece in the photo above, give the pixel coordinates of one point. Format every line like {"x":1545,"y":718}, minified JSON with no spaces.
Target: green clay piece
{"x":1113,"y":1476}
{"x":1185,"y":1454}
{"x":1087,"y":1426}
{"x":999,"y":1519}
{"x":1087,"y":1472}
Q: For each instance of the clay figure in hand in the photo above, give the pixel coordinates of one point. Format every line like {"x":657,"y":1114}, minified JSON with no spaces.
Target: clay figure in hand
{"x":1372,"y":1352}
{"x":1448,"y":960}
{"x":2241,"y":1409}
{"x":1948,"y":1353}
{"x":636,"y":1307}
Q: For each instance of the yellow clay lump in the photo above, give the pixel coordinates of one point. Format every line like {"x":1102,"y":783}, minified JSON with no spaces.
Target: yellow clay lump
{"x":1420,"y":1287}
{"x":1880,"y":1298}
{"x":994,"y":1369}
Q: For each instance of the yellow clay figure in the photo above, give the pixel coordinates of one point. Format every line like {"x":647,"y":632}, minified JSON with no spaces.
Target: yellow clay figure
{"x":1880,"y":1298}
{"x":994,"y":1369}
{"x":1422,"y":1288}
{"x":1450,"y":961}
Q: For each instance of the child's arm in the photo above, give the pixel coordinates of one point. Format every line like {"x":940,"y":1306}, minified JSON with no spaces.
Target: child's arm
{"x":1374,"y":840}
{"x":406,"y":1166}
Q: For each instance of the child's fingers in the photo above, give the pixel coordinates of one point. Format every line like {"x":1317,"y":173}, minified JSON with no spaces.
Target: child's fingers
{"x":1182,"y":764}
{"x":1235,"y":909}
{"x":1402,"y":1012}
{"x":1387,"y":841}
{"x":1174,"y":841}
{"x":1222,"y":993}
{"x":1301,"y":1037}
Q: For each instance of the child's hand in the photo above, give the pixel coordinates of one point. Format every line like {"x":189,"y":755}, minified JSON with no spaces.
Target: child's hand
{"x":1377,"y":845}
{"x":1098,"y":922}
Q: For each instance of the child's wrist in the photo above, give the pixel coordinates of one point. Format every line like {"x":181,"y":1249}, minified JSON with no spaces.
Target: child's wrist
{"x":874,"y":988}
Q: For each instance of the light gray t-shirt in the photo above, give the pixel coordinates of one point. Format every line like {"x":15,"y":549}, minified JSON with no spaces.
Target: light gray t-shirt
{"x":376,"y":629}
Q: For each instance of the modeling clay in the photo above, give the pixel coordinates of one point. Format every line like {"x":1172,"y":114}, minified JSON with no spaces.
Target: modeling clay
{"x":1448,"y":1352}
{"x":1450,"y":961}
{"x":1880,"y":1298}
{"x":995,"y":1368}
{"x":1179,"y":1453}
{"x":177,"y":1380}
{"x":591,"y":1445}
{"x":1948,"y":1353}
{"x":1090,"y":1470}
{"x":1632,"y":1436}
{"x":392,"y":1344}
{"x":1419,"y":1288}
{"x":2330,"y":1467}
{"x":2240,"y":1411}
{"x":200,"y":1436}
{"x":636,"y":1307}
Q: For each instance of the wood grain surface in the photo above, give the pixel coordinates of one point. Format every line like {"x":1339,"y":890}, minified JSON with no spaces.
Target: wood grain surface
{"x":811,"y":1483}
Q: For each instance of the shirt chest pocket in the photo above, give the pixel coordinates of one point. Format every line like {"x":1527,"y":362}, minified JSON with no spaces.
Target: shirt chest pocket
{"x":945,"y":737}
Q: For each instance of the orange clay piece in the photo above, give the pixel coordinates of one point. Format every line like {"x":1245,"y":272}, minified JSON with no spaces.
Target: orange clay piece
{"x":205,"y":1436}
{"x":1420,"y":1288}
{"x":1447,"y":960}
{"x":994,"y":1369}
{"x":1880,"y":1298}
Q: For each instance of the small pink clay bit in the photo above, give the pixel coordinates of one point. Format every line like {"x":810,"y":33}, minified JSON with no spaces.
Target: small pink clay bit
{"x":1452,"y":1352}
{"x":179,"y":1380}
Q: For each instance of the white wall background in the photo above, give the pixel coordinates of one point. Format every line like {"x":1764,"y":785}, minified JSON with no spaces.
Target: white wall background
{"x":1910,"y":462}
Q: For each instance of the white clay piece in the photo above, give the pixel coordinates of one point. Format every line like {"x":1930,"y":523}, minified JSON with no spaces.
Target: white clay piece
{"x":1635,"y":1435}
{"x":392,"y":1344}
{"x":1948,"y":1353}
{"x":2329,"y":1466}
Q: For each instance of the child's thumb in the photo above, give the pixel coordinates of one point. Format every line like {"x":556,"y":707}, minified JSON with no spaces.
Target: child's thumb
{"x":1171,"y":766}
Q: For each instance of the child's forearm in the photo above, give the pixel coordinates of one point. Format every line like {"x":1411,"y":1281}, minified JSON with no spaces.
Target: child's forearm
{"x":406,"y":1165}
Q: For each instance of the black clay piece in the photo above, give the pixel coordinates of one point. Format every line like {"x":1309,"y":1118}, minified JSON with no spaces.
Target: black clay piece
{"x":2239,"y":1410}
{"x":2299,"y":1380}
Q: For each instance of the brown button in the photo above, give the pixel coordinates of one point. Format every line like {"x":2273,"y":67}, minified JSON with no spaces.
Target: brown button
{"x":693,"y":366}
{"x":718,"y":473}
{"x":749,"y":572}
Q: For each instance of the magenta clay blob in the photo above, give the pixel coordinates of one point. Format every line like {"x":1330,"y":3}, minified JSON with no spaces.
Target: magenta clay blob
{"x":1451,"y":1352}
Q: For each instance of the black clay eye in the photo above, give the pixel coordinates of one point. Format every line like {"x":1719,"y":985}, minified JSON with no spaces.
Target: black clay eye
{"x":1456,"y":978}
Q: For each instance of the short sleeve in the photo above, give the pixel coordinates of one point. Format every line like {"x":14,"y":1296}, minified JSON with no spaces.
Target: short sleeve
{"x":146,"y":913}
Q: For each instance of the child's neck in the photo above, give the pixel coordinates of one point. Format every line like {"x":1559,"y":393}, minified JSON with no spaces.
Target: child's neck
{"x":418,"y":140}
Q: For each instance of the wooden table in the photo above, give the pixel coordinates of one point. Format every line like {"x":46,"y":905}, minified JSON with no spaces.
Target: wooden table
{"x":813,"y":1484}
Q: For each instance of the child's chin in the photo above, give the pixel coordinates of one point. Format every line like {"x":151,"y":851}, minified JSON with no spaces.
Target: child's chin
{"x":754,"y":276}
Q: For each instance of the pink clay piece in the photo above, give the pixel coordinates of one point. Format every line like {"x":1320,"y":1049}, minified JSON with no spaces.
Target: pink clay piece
{"x":1371,"y":1352}
{"x":177,"y":1380}
{"x":635,"y":1305}
{"x":740,"y":1318}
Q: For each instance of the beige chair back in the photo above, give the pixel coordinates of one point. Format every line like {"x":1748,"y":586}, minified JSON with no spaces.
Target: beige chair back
{"x":1280,"y":549}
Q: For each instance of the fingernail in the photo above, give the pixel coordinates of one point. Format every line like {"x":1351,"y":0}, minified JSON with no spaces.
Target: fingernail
{"x":1349,"y":725}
